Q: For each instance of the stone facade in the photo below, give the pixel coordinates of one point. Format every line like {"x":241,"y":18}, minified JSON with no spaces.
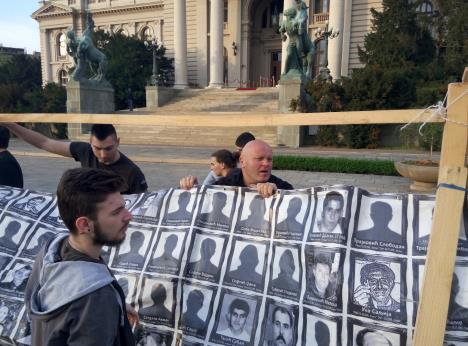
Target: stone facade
{"x":220,"y":41}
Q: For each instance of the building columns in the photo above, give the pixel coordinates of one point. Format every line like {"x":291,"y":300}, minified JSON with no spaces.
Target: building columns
{"x":180,"y":45}
{"x":216,"y":44}
{"x":336,"y":18}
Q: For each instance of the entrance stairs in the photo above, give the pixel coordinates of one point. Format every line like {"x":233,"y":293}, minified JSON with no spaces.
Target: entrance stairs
{"x":207,"y":102}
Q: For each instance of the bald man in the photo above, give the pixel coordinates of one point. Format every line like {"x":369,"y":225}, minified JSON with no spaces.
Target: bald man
{"x":256,"y":163}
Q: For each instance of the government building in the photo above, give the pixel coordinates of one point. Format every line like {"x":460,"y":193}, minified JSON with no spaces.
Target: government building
{"x":214,"y":43}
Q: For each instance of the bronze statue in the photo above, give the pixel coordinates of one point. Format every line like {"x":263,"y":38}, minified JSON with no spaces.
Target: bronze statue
{"x":300,"y":52}
{"x":84,"y":52}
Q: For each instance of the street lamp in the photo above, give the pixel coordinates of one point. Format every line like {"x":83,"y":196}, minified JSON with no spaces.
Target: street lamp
{"x":153,"y":46}
{"x":325,"y":35}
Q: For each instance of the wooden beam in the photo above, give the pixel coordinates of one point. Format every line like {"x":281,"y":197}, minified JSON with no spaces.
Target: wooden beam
{"x":440,"y":261}
{"x":227,"y":119}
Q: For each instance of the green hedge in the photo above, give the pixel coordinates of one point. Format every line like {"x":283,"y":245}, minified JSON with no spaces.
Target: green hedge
{"x":334,"y":164}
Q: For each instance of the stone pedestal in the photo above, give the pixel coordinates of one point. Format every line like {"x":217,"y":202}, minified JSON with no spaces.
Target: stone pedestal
{"x":157,"y":96}
{"x":88,"y":97}
{"x":289,"y":89}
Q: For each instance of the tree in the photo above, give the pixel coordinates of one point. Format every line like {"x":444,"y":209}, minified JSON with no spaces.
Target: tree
{"x":130,"y":65}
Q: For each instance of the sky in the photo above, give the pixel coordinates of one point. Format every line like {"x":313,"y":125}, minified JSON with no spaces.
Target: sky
{"x":17,"y":28}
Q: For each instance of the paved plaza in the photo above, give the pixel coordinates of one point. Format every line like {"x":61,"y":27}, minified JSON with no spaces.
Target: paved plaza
{"x":165,"y":165}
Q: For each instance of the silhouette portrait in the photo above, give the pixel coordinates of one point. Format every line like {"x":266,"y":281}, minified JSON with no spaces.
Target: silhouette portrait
{"x":331,"y":215}
{"x":287,"y":268}
{"x":205,"y":263}
{"x":11,"y":231}
{"x":133,"y":257}
{"x":456,"y":311}
{"x":157,"y":311}
{"x":190,"y":318}
{"x":381,"y":214}
{"x":215,"y":215}
{"x":34,"y":247}
{"x":290,"y":223}
{"x":247,"y":268}
{"x":322,"y":334}
{"x":256,"y":216}
{"x":181,"y":214}
{"x":167,"y":258}
{"x":377,"y":281}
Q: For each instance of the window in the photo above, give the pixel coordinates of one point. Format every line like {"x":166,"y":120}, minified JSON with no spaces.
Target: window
{"x":63,"y":77}
{"x":321,"y":6}
{"x":61,"y":45}
{"x":424,"y":7}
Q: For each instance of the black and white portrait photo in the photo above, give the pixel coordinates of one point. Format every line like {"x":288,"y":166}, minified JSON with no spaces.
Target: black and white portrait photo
{"x":236,"y":319}
{"x":145,"y":336}
{"x":167,"y":253}
{"x":331,"y":216}
{"x":53,"y":218}
{"x":204,"y":259}
{"x":216,"y":209}
{"x":131,"y":253}
{"x":285,"y":272}
{"x":128,"y":284}
{"x":130,"y":200}
{"x":366,"y":334}
{"x":12,"y":232}
{"x":148,"y":208}
{"x":4,"y":260}
{"x":180,"y":207}
{"x":279,"y":324}
{"x":380,"y":222}
{"x":291,"y":216}
{"x":320,"y":329}
{"x":32,"y":205}
{"x":37,"y":241}
{"x":254,"y":215}
{"x":377,"y":287}
{"x":418,"y":276}
{"x":13,"y":281}
{"x":23,"y":335}
{"x":158,"y":301}
{"x":458,"y":304}
{"x":424,"y":207}
{"x":196,"y":309}
{"x":9,"y":311}
{"x":7,"y":194}
{"x":246,"y":264}
{"x":324,"y":277}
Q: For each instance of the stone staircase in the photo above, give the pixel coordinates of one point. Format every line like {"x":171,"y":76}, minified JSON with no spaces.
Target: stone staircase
{"x":208,"y":102}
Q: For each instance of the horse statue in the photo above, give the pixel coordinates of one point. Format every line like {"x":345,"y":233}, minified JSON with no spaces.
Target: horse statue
{"x":84,"y":52}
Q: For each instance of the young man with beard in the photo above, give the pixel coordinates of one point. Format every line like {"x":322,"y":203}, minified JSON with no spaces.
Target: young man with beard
{"x":72,"y":298}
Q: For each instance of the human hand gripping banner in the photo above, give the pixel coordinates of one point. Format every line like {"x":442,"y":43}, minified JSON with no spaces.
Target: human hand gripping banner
{"x":330,"y":265}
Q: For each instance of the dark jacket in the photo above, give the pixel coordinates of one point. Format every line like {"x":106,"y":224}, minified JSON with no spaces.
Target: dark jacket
{"x":73,"y":299}
{"x":235,"y":178}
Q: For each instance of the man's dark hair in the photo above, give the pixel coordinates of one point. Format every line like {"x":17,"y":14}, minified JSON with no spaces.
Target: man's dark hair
{"x":158,"y":294}
{"x":239,"y":304}
{"x":225,"y":156}
{"x":244,"y":138}
{"x":373,"y":267}
{"x":102,"y":131}
{"x":4,"y":137}
{"x":333,"y":196}
{"x":81,"y":189}
{"x":362,"y":333}
{"x":284,"y":311}
{"x":323,"y":258}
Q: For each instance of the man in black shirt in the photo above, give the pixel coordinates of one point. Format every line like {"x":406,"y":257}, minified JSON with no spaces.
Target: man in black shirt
{"x":11,"y":173}
{"x":256,"y":163}
{"x":102,"y":152}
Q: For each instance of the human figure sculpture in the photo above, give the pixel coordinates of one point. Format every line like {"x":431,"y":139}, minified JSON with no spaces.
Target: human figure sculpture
{"x":84,"y":52}
{"x":300,"y":51}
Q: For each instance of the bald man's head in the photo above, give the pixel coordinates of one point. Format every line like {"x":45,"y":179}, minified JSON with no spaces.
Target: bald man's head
{"x":256,"y":162}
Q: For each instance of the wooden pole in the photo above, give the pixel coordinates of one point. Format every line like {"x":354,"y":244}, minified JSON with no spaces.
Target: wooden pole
{"x":442,"y":250}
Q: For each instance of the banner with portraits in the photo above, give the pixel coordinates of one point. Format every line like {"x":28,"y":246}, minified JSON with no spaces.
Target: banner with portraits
{"x":329,"y":265}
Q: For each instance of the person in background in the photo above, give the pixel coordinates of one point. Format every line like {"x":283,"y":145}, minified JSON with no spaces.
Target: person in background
{"x":222,"y":161}
{"x":10,"y":172}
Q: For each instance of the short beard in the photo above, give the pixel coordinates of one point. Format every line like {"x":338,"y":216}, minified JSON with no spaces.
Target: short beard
{"x":101,"y":240}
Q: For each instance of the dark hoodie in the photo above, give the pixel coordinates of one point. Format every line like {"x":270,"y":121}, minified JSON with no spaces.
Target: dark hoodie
{"x":73,"y":299}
